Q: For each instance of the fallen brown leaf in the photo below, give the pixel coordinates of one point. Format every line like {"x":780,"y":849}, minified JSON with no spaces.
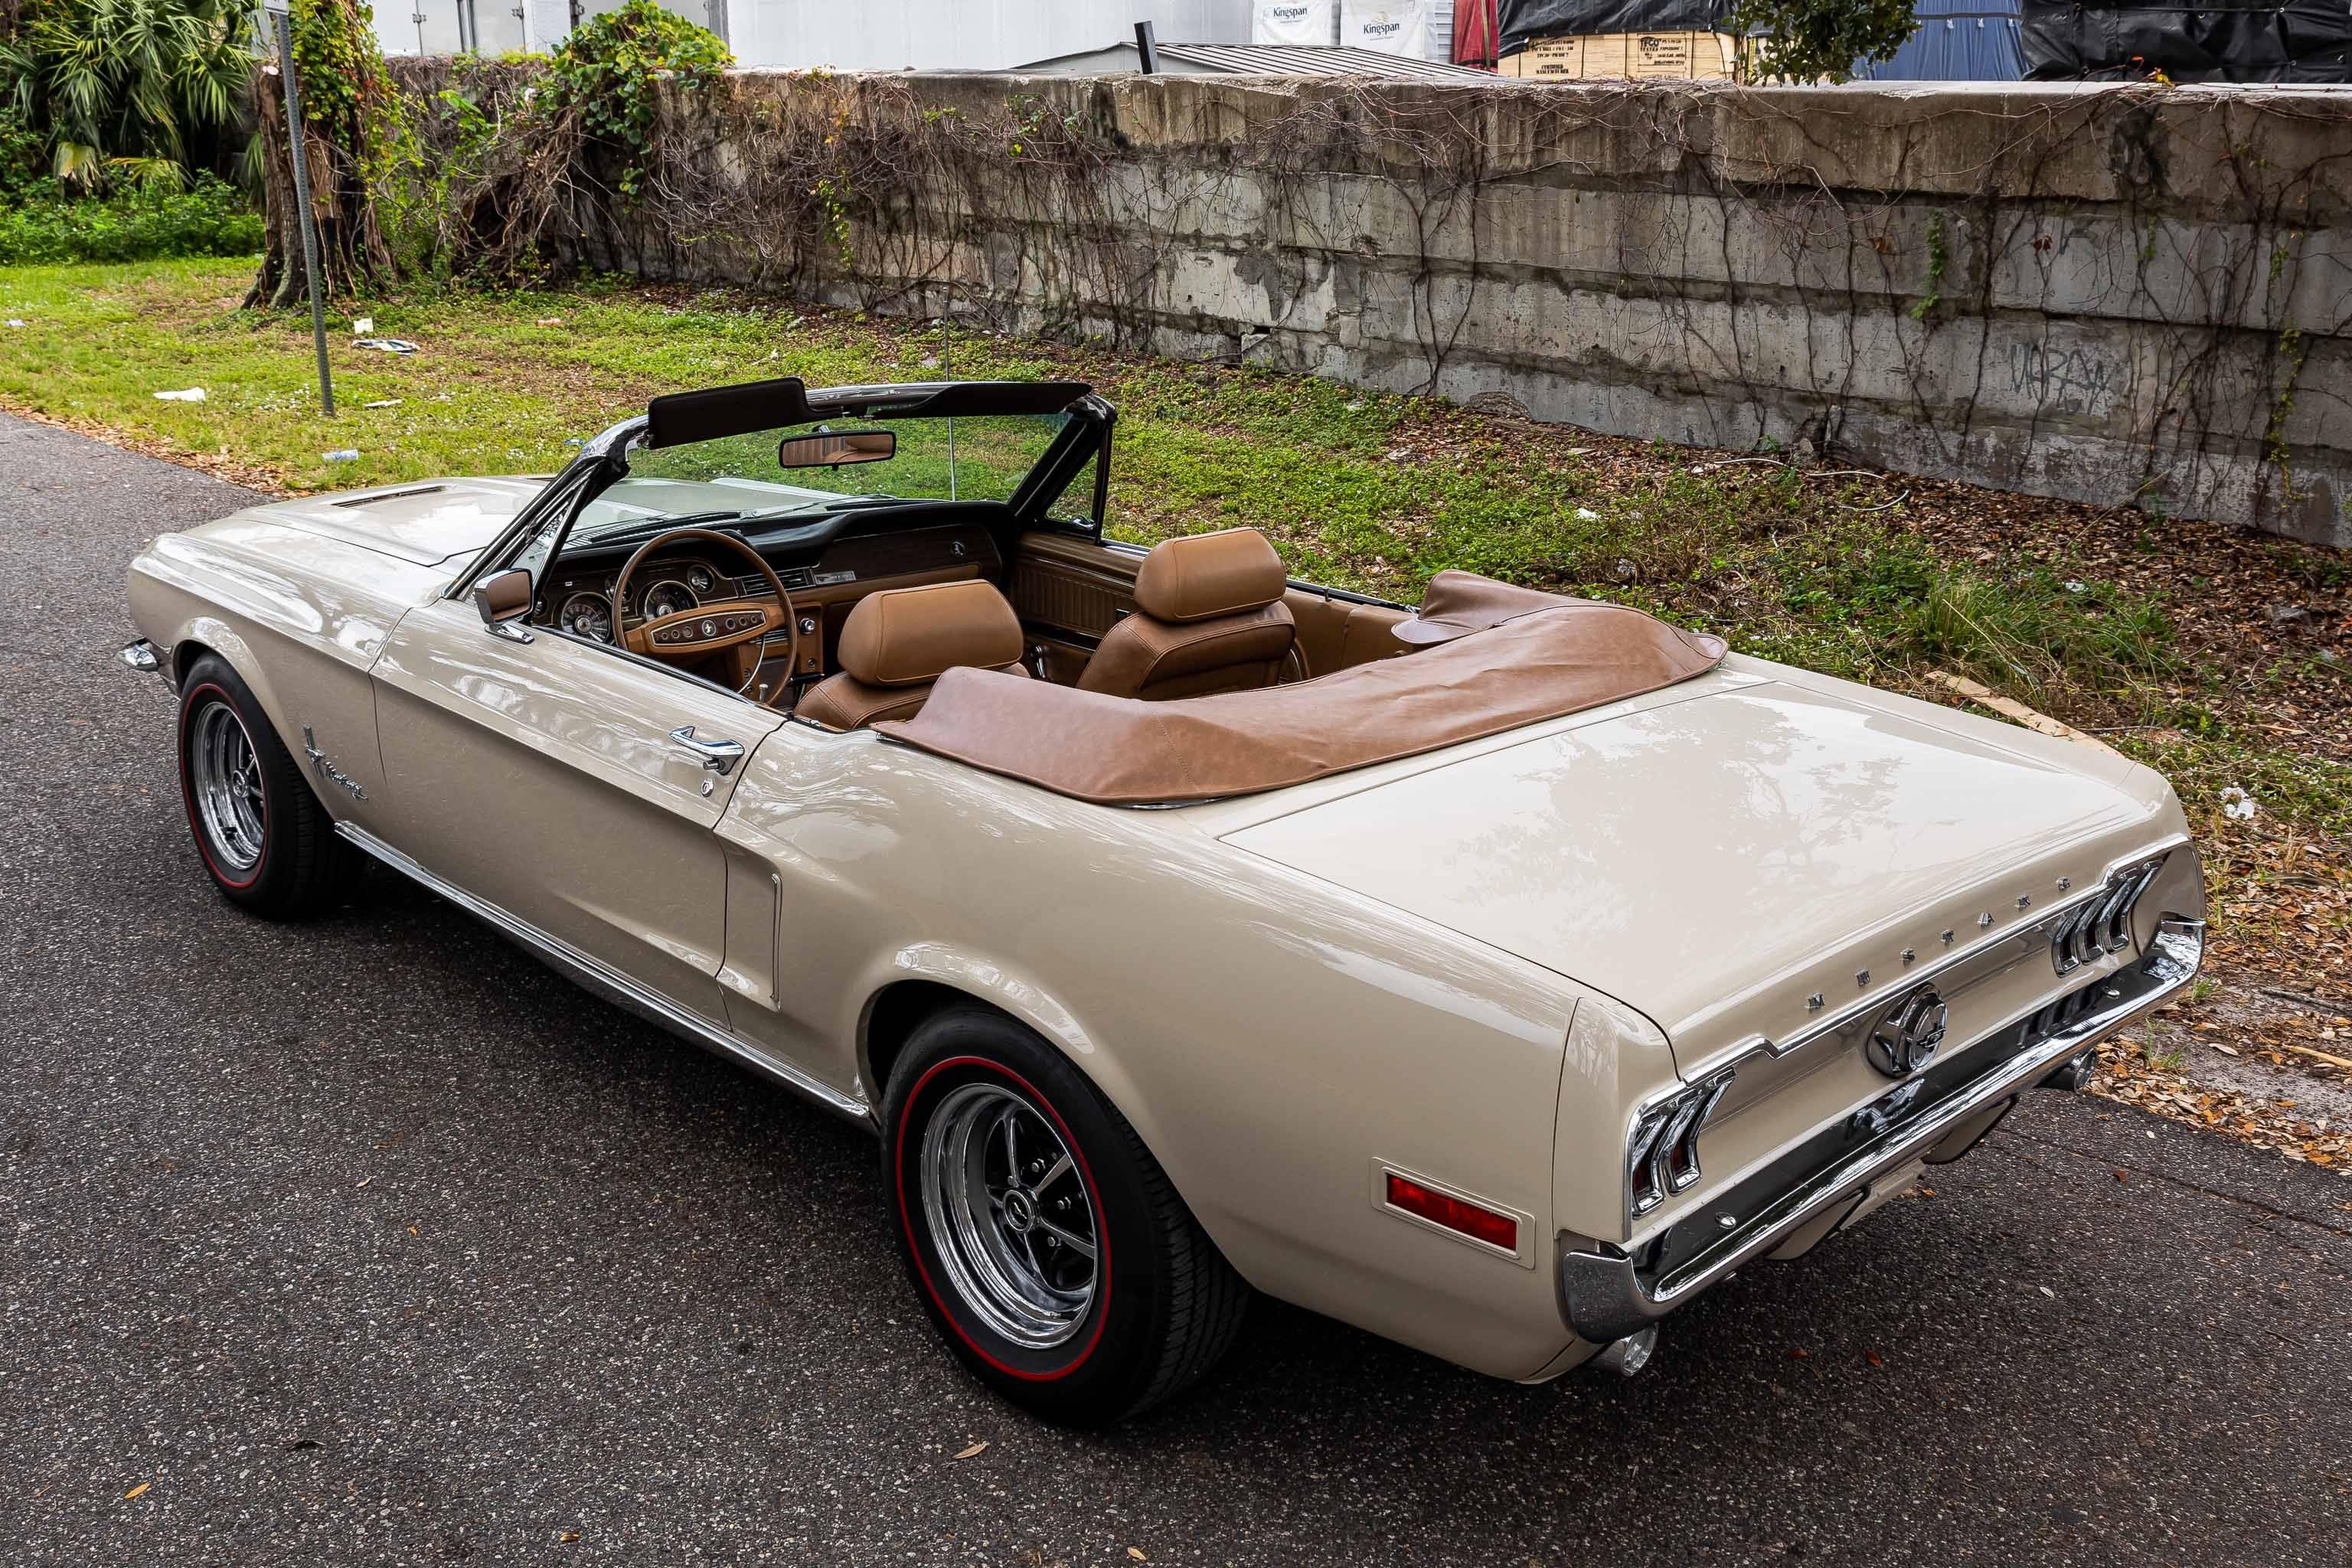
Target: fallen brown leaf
{"x":134,"y":1491}
{"x":974,"y":1451}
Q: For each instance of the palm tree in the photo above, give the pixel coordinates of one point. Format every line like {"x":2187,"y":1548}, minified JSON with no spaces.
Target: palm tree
{"x":127,"y":88}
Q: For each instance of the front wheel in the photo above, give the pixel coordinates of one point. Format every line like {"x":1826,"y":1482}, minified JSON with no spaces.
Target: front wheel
{"x":1046,"y":1244}
{"x":268,"y":842}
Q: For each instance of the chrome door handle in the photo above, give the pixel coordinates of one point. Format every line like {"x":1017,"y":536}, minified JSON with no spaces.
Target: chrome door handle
{"x":718,"y":756}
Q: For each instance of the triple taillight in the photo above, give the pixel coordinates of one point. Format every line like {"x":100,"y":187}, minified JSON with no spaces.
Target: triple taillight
{"x":1662,"y":1157}
{"x":2103,"y":923}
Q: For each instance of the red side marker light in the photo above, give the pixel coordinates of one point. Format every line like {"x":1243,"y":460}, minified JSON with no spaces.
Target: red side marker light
{"x":1478,"y":1224}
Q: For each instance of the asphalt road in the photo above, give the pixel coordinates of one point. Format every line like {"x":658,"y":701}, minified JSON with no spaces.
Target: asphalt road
{"x":369,"y":1241}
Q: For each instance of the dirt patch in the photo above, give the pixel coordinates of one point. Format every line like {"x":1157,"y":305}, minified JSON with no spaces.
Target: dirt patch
{"x":2237,"y":1059}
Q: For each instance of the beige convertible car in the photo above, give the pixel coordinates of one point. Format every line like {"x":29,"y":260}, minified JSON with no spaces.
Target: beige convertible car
{"x":1495,"y":976}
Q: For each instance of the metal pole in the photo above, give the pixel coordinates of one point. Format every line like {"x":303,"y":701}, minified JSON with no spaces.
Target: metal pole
{"x":1147,"y":46}
{"x":302,"y":204}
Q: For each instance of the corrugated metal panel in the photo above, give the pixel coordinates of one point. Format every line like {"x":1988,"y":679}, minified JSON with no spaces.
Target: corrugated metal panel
{"x":1298,"y":59}
{"x":1958,"y":40}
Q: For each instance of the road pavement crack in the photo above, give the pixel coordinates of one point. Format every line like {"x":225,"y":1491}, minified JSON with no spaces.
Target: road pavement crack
{"x":2114,"y":1163}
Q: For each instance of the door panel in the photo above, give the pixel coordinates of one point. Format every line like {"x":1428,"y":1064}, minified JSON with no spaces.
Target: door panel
{"x":541,"y":777}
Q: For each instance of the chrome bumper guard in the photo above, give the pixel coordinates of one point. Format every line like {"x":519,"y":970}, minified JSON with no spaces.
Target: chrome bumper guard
{"x":1604,"y":1293}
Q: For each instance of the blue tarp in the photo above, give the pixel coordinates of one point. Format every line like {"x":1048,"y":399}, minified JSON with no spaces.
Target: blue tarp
{"x":1958,"y":40}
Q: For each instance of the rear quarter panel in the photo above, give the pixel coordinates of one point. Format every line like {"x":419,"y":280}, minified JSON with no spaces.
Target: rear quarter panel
{"x":1269,"y":1036}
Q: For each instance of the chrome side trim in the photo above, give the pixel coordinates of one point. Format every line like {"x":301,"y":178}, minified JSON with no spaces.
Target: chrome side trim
{"x":1602,"y":1294}
{"x":594,"y":975}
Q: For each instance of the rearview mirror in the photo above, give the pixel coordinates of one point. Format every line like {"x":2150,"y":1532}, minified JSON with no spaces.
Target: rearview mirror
{"x":503,"y":599}
{"x":830,"y":451}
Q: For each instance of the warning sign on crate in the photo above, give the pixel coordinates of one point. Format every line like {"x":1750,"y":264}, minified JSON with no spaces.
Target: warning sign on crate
{"x":1627,"y":56}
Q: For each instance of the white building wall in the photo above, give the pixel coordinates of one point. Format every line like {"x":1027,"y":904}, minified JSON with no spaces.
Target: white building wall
{"x":432,"y":27}
{"x":860,"y":35}
{"x":963,"y":35}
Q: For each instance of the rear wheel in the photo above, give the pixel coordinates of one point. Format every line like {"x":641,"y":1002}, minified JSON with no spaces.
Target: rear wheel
{"x":1046,"y":1244}
{"x":265,"y":839}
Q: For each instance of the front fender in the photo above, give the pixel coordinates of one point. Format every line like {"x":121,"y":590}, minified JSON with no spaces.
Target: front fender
{"x":299,"y":617}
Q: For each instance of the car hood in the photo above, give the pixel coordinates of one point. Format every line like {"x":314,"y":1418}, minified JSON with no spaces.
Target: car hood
{"x":423,"y":523}
{"x":1693,"y":857}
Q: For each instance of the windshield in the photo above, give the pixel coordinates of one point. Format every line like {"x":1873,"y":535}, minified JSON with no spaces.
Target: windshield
{"x":976,"y":457}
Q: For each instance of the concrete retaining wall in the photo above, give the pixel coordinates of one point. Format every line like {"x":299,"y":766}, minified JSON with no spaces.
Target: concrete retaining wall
{"x":2113,"y":294}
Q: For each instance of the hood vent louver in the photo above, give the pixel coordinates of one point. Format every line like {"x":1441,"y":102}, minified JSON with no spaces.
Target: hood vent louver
{"x":391,"y":495}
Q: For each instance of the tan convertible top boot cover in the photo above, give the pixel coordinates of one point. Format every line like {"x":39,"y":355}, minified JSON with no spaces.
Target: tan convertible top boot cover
{"x":1538,"y":664}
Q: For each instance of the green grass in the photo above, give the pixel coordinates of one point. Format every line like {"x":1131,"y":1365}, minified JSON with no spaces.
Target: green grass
{"x":1357,"y":489}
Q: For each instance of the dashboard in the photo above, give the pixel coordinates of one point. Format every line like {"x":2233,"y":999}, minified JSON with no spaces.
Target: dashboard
{"x":579,"y":597}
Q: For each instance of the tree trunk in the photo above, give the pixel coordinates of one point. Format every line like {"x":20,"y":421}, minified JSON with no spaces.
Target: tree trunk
{"x":351,"y":251}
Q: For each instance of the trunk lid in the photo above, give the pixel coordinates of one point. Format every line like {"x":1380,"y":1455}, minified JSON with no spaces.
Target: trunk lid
{"x":1718,"y":861}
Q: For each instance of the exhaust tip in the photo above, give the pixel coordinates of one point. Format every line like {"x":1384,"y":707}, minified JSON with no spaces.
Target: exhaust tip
{"x":1630,"y":1355}
{"x":2072,"y":1075}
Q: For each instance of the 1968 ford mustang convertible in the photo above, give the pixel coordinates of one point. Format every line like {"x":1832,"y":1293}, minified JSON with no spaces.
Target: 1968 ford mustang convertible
{"x":1496,"y":975}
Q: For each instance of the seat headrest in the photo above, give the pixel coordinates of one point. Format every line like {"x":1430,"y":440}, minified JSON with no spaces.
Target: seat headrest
{"x":1207,"y":574}
{"x":904,"y":636}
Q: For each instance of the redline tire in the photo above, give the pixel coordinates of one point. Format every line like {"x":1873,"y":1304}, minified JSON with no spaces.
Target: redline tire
{"x":260,"y":831}
{"x":1080,"y":1347}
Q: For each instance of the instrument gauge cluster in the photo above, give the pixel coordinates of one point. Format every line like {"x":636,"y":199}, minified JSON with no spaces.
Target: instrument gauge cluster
{"x":587,"y":615}
{"x":669,"y":597}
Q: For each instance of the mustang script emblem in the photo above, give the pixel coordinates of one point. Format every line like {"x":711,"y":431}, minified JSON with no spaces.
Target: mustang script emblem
{"x":1905,"y":1040}
{"x":328,"y":771}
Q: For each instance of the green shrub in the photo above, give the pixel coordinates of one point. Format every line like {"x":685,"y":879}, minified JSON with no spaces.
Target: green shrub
{"x":24,"y":158}
{"x":208,"y":218}
{"x":609,"y":71}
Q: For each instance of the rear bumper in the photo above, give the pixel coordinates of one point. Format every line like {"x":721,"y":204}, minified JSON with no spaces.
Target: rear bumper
{"x":1606,"y":1294}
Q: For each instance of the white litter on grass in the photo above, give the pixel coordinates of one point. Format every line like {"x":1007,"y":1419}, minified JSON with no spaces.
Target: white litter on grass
{"x":2236,"y":803}
{"x":1586,"y":514}
{"x":343,"y":454}
{"x":383,"y":403}
{"x":388,"y":345}
{"x":16,"y":321}
{"x":362,"y":326}
{"x":185,"y":395}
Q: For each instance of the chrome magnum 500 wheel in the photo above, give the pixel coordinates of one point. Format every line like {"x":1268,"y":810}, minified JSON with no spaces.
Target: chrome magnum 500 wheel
{"x":1046,"y":1241}
{"x":265,"y":839}
{"x":224,"y":788}
{"x":1009,"y":1215}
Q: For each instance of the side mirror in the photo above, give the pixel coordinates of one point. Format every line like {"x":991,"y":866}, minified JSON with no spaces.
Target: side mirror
{"x":830,"y":451}
{"x":503,"y":601}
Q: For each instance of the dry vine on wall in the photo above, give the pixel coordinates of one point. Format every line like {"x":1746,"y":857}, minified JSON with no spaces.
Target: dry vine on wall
{"x":1942,"y":262}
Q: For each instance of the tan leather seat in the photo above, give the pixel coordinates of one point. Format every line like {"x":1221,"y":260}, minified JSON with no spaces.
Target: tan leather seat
{"x":1209,"y":618}
{"x":898,"y":642}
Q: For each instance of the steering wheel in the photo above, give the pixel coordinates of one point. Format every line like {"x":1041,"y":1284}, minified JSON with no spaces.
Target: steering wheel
{"x":708,"y":628}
